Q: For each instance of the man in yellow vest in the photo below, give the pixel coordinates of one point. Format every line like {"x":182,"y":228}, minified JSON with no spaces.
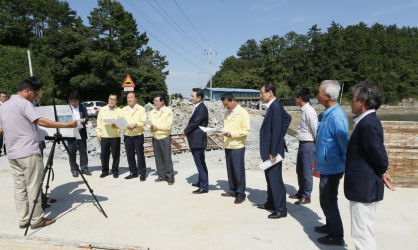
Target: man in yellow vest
{"x":109,"y":136}
{"x":236,"y":124}
{"x":134,"y":137}
{"x":162,"y":119}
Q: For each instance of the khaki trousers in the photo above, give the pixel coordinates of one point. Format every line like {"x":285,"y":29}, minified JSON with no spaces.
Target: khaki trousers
{"x":362,"y":221}
{"x":27,"y":174}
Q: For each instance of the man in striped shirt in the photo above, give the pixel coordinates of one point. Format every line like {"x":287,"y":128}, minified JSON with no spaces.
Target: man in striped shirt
{"x":306,"y":135}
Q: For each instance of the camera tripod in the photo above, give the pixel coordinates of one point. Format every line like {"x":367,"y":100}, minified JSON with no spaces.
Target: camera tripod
{"x":57,"y":138}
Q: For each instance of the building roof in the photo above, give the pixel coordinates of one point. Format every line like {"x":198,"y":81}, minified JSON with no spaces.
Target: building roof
{"x":233,"y":90}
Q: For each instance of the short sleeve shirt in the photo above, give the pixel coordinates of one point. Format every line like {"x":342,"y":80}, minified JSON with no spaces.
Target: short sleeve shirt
{"x":17,"y":117}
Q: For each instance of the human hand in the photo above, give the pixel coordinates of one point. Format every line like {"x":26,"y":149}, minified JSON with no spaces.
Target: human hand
{"x":273,"y":159}
{"x":99,"y":138}
{"x":227,"y":135}
{"x":71,"y":124}
{"x":388,"y":181}
{"x":114,"y":126}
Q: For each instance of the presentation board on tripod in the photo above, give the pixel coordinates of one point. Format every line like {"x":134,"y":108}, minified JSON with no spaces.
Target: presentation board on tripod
{"x":64,"y":114}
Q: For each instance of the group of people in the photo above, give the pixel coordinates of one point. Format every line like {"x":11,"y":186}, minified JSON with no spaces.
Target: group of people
{"x":323,"y":138}
{"x":361,"y":159}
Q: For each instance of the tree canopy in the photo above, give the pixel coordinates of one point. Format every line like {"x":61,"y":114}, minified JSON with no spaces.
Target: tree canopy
{"x":68,"y":56}
{"x":386,"y":55}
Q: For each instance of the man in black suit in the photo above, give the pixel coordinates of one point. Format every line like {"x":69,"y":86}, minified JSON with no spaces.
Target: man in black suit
{"x":366,"y":164}
{"x":197,"y":139}
{"x":79,"y":112}
{"x":272,"y":132}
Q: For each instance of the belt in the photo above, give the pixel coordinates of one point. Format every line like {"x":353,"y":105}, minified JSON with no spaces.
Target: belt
{"x":303,"y":142}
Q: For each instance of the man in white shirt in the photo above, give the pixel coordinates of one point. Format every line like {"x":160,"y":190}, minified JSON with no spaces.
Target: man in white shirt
{"x":306,"y":135}
{"x":79,"y":112}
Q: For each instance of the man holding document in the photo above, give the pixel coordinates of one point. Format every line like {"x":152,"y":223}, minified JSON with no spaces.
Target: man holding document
{"x":272,"y":144}
{"x":162,"y":118}
{"x":134,"y":137}
{"x":236,"y":125}
{"x":108,"y":134}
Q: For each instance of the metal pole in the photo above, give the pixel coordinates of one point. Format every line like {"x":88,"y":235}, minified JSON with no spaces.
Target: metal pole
{"x":342,"y":90}
{"x":30,"y":64}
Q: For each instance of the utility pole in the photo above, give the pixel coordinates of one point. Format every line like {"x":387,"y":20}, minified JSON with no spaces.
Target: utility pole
{"x":210,"y":60}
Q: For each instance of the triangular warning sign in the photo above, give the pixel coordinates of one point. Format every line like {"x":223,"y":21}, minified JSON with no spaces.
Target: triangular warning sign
{"x":128,"y":83}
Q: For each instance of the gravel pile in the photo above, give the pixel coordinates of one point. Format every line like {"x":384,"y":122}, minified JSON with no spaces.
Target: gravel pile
{"x":214,"y":158}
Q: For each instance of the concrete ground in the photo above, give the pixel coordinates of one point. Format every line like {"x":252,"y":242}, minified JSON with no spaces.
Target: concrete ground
{"x":149,"y":215}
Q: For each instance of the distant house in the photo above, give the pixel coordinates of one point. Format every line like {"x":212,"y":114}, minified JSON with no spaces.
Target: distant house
{"x":239,"y":94}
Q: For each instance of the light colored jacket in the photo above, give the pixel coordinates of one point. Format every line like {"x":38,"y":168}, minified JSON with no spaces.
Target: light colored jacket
{"x":105,"y":129}
{"x":238,"y":124}
{"x":163,"y":120}
{"x":332,"y":141}
{"x":136,"y":117}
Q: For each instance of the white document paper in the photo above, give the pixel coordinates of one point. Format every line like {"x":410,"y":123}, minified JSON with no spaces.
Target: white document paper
{"x":109,"y":121}
{"x":147,"y":122}
{"x":121,"y":123}
{"x":265,"y":165}
{"x":81,"y":120}
{"x":212,"y":130}
{"x":187,"y":142}
{"x":64,"y":114}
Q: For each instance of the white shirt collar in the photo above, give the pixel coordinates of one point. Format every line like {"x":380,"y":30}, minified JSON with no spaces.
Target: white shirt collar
{"x":270,"y":102}
{"x":195,"y":105}
{"x":358,"y":118}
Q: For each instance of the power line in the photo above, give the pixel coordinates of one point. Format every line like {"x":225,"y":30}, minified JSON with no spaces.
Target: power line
{"x":192,"y":24}
{"x":158,"y":28}
{"x":191,"y":40}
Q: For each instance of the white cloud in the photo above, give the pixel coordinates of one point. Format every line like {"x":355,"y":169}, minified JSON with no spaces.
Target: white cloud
{"x":394,"y":9}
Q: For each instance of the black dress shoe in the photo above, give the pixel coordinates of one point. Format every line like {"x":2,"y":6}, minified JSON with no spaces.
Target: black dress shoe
{"x":115,"y":175}
{"x":159,"y":179}
{"x":239,"y":200}
{"x":103,"y":175}
{"x":322,"y":229}
{"x":200,"y":191}
{"x":86,"y":172}
{"x":45,"y":206}
{"x":303,"y":201}
{"x":142,"y":178}
{"x":276,"y":215}
{"x":296,"y":196}
{"x":197,"y":184}
{"x":227,"y":194}
{"x":170,"y":182}
{"x":50,"y":200}
{"x":131,"y":176}
{"x":75,"y":174}
{"x":331,"y":241}
{"x":263,"y":206}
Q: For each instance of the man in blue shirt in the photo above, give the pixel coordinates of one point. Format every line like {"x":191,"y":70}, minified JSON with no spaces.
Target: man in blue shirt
{"x":331,"y":149}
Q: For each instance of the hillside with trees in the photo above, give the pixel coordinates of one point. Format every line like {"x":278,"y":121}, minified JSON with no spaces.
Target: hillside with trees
{"x":68,"y":56}
{"x":386,"y":55}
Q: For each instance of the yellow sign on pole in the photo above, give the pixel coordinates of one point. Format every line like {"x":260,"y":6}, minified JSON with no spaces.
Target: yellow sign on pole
{"x":128,"y":84}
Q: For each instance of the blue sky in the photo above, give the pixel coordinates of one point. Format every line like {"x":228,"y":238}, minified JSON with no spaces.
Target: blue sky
{"x":227,"y":24}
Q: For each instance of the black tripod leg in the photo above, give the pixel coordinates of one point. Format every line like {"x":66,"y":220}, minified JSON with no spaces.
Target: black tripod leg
{"x":82,"y":176}
{"x":40,"y":186}
{"x":48,"y":166}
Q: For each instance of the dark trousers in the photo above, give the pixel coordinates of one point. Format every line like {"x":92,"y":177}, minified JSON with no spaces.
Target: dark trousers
{"x":328,"y":198}
{"x":1,"y":145}
{"x":81,"y":146}
{"x":199,"y":160}
{"x":135,"y":145}
{"x":235,"y":166}
{"x":276,"y":191}
{"x":304,"y":168}
{"x":107,"y":146}
{"x":162,"y":154}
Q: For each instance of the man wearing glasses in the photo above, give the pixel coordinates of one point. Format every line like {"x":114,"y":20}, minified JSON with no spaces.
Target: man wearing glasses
{"x":109,"y":136}
{"x":79,"y":112}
